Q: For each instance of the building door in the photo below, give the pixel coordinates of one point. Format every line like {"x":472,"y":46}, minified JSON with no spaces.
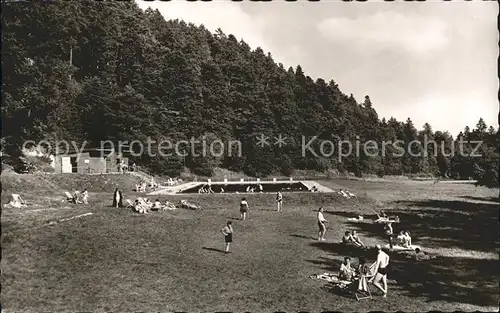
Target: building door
{"x":65,"y":165}
{"x":74,"y":165}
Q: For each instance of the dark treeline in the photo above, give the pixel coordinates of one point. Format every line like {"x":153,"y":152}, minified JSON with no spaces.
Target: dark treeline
{"x":102,"y":70}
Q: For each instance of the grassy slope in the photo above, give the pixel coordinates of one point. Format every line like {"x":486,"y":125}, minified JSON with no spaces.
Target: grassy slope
{"x":115,"y":260}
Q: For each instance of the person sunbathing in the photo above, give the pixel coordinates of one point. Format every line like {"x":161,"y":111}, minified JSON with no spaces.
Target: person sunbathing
{"x":142,"y":205}
{"x":405,"y":239}
{"x":356,"y":240}
{"x":347,"y":238}
{"x":344,"y":194}
{"x":156,"y":205}
{"x":138,"y":207}
{"x":419,"y":255}
{"x":364,"y":273}
{"x":77,"y":197}
{"x":85,"y":196}
{"x":346,"y":271}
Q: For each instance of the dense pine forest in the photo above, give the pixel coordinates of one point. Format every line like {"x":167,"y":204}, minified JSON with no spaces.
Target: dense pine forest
{"x":102,"y":70}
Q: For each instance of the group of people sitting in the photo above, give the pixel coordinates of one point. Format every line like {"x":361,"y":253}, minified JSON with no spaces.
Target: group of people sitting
{"x":352,"y":238}
{"x":405,"y":238}
{"x":141,"y":187}
{"x":363,"y":272}
{"x":206,"y":189}
{"x":145,"y":206}
{"x":252,"y":189}
{"x":346,"y":194}
{"x":173,"y":181}
{"x":78,"y":197}
{"x":347,"y":272}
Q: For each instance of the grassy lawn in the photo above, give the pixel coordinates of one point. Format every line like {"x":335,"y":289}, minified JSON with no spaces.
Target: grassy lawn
{"x":116,"y":260}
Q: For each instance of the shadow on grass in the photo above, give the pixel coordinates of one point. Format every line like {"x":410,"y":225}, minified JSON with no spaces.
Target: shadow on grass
{"x":213,"y":249}
{"x":491,"y":199}
{"x":303,"y":236}
{"x":341,"y":250}
{"x":452,"y":224}
{"x":438,"y":224}
{"x":448,"y":279}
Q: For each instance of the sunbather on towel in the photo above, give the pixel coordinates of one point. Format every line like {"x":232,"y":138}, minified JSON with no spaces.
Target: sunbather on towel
{"x":346,"y":271}
{"x":420,"y":255}
{"x":156,"y":205}
{"x":141,"y":206}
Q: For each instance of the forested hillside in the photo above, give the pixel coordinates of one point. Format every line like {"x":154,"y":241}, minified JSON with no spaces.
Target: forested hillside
{"x":102,"y":70}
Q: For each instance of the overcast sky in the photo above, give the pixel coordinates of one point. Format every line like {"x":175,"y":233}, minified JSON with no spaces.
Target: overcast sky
{"x":434,"y":62}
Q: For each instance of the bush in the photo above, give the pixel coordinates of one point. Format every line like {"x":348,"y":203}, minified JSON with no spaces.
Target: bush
{"x":489,"y":179}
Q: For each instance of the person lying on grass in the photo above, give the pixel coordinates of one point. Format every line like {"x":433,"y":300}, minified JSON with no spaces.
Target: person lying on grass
{"x":420,"y":255}
{"x":346,"y":271}
{"x":141,"y":206}
{"x":156,"y":205}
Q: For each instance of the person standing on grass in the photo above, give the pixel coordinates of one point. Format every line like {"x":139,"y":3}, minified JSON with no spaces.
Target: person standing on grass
{"x":321,"y":225}
{"x":381,"y":267}
{"x":243,"y":209}
{"x":388,"y":232}
{"x":279,"y":199}
{"x":227,"y":231}
{"x":117,"y":198}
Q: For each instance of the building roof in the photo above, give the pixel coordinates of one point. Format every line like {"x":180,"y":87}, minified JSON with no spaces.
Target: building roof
{"x":93,"y":152}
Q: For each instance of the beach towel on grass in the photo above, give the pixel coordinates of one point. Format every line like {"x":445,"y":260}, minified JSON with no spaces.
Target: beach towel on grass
{"x":330,"y":277}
